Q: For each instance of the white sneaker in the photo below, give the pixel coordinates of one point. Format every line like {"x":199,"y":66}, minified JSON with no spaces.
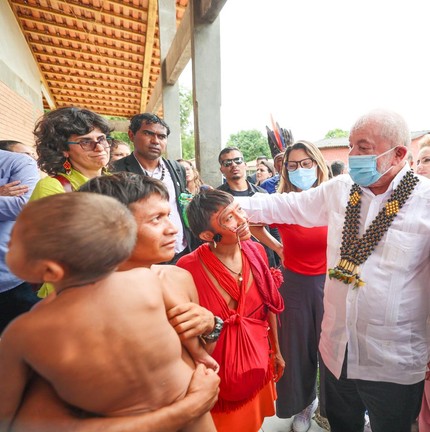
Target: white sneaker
{"x":302,"y":421}
{"x":367,"y":427}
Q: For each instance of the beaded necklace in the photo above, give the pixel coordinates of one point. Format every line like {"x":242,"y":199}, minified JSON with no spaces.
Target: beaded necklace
{"x":163,"y":172}
{"x":354,"y":251}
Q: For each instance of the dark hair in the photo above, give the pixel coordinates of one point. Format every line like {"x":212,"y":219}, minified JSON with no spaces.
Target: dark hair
{"x":8,"y":144}
{"x":54,"y":129}
{"x":337,"y":167}
{"x":203,"y":206}
{"x":126,"y":187}
{"x":100,"y":231}
{"x":227,"y":150}
{"x":262,"y":158}
{"x":146,"y":118}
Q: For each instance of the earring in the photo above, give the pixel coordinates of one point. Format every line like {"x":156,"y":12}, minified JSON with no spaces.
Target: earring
{"x":67,"y":166}
{"x":214,"y":242}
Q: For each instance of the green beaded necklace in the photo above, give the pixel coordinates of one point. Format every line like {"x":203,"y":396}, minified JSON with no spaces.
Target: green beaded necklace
{"x":354,"y":251}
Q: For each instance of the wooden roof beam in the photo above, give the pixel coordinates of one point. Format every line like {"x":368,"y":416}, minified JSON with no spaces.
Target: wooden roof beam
{"x":88,"y":73}
{"x":41,"y":47}
{"x":81,"y":42}
{"x":127,"y":96}
{"x":137,"y":34}
{"x":209,"y":10}
{"x":149,"y":44}
{"x":78,"y":31}
{"x":91,"y":81}
{"x":85,"y":7}
{"x":177,"y":58}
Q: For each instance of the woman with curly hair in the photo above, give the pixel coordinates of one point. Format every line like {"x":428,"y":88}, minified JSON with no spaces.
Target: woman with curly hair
{"x":73,"y":147}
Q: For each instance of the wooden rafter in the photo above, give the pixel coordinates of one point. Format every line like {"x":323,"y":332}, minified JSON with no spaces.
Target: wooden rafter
{"x":88,"y":50}
{"x":150,"y":32}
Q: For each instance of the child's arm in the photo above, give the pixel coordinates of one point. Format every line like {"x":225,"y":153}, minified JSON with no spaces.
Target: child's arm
{"x":14,"y":374}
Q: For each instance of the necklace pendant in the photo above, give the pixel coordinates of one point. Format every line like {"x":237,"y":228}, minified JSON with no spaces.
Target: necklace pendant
{"x":346,"y":272}
{"x":240,"y":278}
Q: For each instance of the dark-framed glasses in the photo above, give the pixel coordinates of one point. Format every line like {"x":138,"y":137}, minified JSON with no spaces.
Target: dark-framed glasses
{"x":229,"y":162}
{"x":90,"y":145}
{"x":307,"y":163}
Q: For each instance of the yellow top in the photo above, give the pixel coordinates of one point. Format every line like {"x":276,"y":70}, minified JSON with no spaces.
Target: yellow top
{"x":51,"y":186}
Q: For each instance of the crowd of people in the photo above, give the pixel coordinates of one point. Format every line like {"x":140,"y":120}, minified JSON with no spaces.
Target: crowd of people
{"x":134,"y":297}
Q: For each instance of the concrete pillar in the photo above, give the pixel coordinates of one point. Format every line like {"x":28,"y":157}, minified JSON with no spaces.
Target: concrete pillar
{"x":167,"y":25}
{"x":205,"y":49}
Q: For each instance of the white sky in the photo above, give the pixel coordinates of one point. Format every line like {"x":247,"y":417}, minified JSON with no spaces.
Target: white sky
{"x":317,"y":65}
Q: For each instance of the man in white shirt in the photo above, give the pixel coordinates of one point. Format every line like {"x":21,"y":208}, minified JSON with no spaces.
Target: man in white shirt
{"x":374,"y":338}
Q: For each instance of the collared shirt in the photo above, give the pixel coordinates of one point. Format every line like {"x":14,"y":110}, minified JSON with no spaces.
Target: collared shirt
{"x":384,"y":323}
{"x":13,"y":166}
{"x":181,"y":242}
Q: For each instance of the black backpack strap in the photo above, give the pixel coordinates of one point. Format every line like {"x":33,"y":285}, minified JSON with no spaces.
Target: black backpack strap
{"x":179,"y":171}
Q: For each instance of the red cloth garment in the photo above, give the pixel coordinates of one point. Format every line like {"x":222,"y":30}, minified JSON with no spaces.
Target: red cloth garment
{"x":243,"y":347}
{"x":304,"y":249}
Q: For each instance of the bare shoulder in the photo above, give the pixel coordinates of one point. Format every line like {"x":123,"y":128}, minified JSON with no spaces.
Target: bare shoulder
{"x":171,"y":273}
{"x":177,"y":284}
{"x":137,"y":274}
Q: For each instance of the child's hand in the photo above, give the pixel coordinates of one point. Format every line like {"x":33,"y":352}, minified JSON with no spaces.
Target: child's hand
{"x":209,"y":362}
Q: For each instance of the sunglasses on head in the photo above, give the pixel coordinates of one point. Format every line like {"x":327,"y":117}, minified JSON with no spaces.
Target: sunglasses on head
{"x":229,"y":162}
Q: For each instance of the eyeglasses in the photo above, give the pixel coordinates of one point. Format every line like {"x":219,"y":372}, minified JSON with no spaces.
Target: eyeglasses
{"x":307,"y":163}
{"x":229,"y":162}
{"x":151,"y":134}
{"x":90,"y":145}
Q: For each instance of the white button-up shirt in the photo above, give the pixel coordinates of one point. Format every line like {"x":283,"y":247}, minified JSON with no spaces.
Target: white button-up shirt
{"x":384,"y":322}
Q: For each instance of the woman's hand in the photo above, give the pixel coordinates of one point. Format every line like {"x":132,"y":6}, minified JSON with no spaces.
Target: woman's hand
{"x":13,"y":189}
{"x":191,"y":320}
{"x":278,"y":366}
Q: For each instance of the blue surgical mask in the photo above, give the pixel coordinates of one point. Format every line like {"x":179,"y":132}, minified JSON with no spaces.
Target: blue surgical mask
{"x":363,"y":169}
{"x":303,"y":178}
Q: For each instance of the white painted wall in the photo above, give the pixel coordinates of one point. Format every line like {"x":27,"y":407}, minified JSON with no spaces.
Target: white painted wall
{"x":18,"y":69}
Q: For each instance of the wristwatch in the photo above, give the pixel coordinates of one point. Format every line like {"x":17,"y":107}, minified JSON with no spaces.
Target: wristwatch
{"x":214,"y":335}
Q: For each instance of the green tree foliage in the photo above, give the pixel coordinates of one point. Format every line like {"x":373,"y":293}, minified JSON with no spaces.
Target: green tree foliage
{"x":185,"y":115}
{"x":122,"y":136}
{"x":252,"y":143}
{"x":336,"y":133}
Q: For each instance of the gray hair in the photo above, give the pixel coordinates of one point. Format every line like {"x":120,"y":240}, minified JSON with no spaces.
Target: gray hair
{"x":392,"y":126}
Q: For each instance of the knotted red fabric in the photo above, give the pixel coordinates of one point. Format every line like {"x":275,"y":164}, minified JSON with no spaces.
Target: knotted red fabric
{"x":242,"y":350}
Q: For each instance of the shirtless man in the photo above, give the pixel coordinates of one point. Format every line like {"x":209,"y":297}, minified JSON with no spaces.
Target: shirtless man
{"x":77,"y":362}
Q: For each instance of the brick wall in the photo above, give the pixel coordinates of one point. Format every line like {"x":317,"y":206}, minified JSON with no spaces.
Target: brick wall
{"x":335,"y":153}
{"x":17,"y":116}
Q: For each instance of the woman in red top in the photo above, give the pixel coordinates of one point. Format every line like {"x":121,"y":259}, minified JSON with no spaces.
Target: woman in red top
{"x":234,"y":282}
{"x":304,"y":271}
